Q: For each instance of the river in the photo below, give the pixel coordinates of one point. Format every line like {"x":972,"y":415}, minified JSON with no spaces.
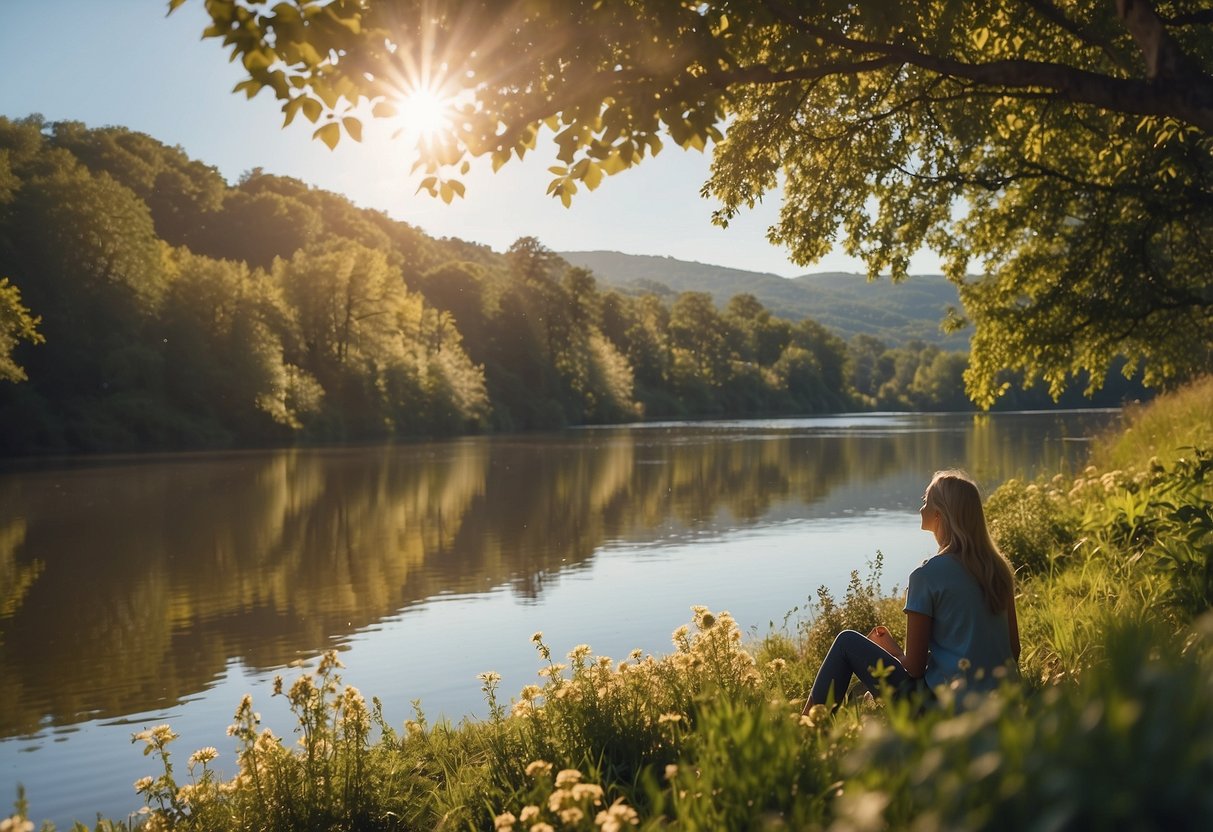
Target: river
{"x":141,"y":590}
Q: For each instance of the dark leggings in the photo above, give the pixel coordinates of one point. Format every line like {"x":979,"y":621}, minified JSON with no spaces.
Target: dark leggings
{"x":854,"y":654}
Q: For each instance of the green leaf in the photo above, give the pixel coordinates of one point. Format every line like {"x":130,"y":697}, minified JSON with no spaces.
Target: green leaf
{"x":248,"y":86}
{"x":290,"y":109}
{"x":312,"y":109}
{"x":592,"y":176}
{"x":384,"y":109}
{"x":329,"y":133}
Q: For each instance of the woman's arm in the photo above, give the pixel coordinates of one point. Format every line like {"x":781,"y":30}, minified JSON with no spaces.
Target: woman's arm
{"x":918,"y":639}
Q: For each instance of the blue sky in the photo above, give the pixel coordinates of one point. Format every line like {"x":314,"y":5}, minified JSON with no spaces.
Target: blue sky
{"x":124,"y":62}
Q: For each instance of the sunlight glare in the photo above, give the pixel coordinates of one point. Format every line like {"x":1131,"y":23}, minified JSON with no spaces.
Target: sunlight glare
{"x":424,"y":112}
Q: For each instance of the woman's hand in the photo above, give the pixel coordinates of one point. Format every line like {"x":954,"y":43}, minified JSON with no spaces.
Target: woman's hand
{"x":881,"y":635}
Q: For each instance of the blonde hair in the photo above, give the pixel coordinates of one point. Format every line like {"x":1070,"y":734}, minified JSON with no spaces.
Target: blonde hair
{"x":963,"y":533}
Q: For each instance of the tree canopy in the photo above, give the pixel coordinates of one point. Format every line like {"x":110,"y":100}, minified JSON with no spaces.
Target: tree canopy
{"x":1059,"y":151}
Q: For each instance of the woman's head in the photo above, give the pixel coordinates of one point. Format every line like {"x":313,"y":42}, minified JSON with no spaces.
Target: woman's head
{"x":951,"y":509}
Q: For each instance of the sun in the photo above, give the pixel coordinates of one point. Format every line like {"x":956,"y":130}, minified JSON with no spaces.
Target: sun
{"x":424,"y":112}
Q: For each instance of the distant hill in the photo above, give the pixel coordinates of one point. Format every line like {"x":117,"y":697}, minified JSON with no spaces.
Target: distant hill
{"x":845,"y":303}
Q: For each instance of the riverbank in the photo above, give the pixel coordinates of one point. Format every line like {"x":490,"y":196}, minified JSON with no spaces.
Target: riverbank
{"x":1117,"y":672}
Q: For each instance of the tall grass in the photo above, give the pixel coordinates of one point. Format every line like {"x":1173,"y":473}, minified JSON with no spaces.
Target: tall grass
{"x":1161,"y":429}
{"x":1113,"y":600}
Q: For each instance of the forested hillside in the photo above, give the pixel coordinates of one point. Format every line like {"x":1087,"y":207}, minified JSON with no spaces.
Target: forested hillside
{"x":146,"y":303}
{"x":846,"y":304}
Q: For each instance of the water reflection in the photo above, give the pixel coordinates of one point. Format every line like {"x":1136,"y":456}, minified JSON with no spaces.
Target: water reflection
{"x":130,"y":584}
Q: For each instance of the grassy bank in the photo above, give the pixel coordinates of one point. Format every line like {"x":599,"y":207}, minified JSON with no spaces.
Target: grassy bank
{"x":1116,"y":583}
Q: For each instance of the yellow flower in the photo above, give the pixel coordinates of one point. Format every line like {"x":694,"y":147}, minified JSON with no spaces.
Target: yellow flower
{"x":504,"y":822}
{"x":537,"y":637}
{"x":777,"y":665}
{"x":671,"y":771}
{"x":669,"y":718}
{"x":579,"y":652}
{"x":203,"y":755}
{"x":567,"y":777}
{"x":617,"y":817}
{"x":542,"y":827}
{"x":489,"y":677}
{"x":143,"y":784}
{"x":587,"y":791}
{"x":528,"y":814}
{"x":571,"y":815}
{"x":538,"y":768}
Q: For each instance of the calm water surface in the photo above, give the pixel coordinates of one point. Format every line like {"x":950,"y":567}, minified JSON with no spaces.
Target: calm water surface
{"x":138,"y":591}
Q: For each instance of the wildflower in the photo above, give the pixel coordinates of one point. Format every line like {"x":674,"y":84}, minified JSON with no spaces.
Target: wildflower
{"x":277,"y":686}
{"x":617,"y":817}
{"x":143,"y":784}
{"x":816,"y":714}
{"x":185,"y":794}
{"x":669,"y":718}
{"x":671,"y":771}
{"x":504,"y":822}
{"x":537,"y":637}
{"x":489,"y":677}
{"x":522,"y":707}
{"x":567,"y":777}
{"x":604,"y":662}
{"x":529,"y":692}
{"x":528,"y":814}
{"x":963,"y":665}
{"x":328,"y":663}
{"x":587,"y":791}
{"x":538,"y":768}
{"x":203,"y":756}
{"x":154,"y":738}
{"x":636,"y":654}
{"x":16,"y":824}
{"x":680,"y":637}
{"x":579,"y":652}
{"x":568,"y":692}
{"x":413,"y":728}
{"x":777,"y":665}
{"x":571,"y":815}
{"x":552,"y":670}
{"x":542,"y":827}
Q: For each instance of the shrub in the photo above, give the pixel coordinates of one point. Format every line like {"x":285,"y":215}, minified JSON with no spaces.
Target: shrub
{"x":1129,"y":748}
{"x":1031,"y":523}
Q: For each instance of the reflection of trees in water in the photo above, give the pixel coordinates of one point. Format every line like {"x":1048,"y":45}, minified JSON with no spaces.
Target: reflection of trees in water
{"x":157,"y":574}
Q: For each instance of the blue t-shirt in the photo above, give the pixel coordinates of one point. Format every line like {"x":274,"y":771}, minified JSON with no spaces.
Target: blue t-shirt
{"x":962,"y":626}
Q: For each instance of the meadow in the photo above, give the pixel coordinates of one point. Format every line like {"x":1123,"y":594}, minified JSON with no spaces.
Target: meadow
{"x":1115,"y":571}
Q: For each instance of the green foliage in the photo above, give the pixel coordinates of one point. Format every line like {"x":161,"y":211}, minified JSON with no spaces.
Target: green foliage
{"x":1139,"y":725}
{"x":1071,"y":135}
{"x":1032,"y":524}
{"x":1161,"y":431}
{"x":16,"y":325}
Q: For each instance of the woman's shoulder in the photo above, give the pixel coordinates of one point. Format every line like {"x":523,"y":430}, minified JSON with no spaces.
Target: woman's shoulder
{"x":938,"y":565}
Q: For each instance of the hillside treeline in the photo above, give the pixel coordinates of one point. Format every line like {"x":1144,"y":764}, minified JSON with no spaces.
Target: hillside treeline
{"x":175,"y":310}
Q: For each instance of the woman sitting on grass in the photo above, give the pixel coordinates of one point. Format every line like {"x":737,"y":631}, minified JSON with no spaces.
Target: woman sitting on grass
{"x":960,"y":611}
